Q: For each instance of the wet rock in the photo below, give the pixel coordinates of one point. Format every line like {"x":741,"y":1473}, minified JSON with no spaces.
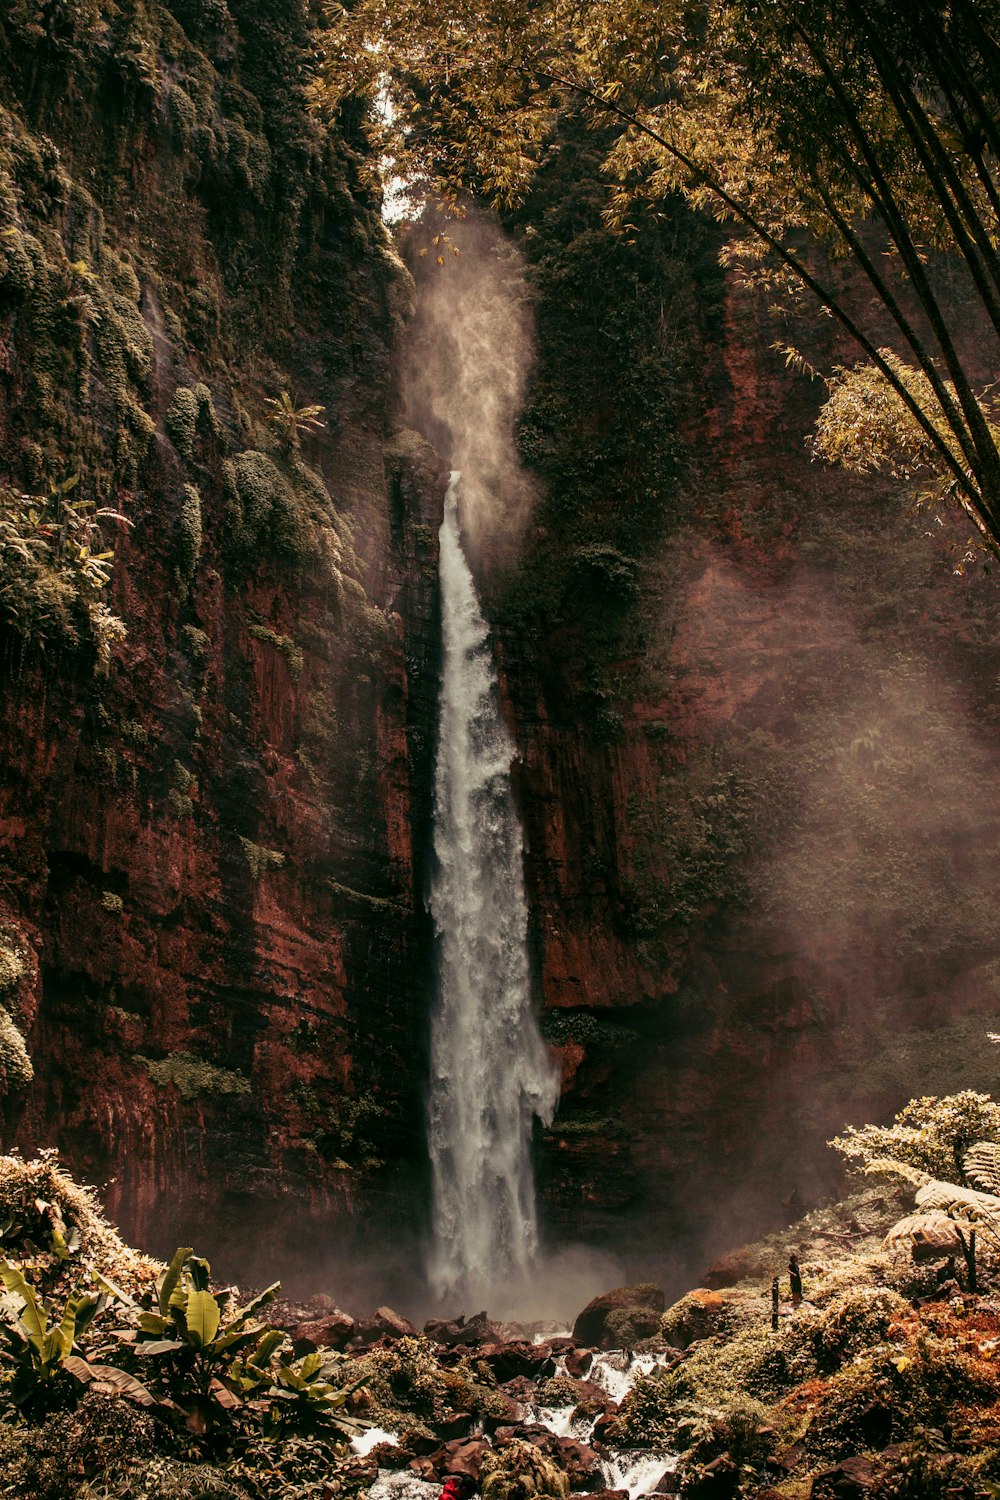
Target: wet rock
{"x":577,"y":1460}
{"x":514,"y":1414}
{"x":603,"y":1495}
{"x":718,"y":1480}
{"x":521,"y":1389}
{"x":606,"y":1427}
{"x":457,"y":1425}
{"x":334,"y":1331}
{"x":461,"y":1457}
{"x":477,"y":1330}
{"x":419,"y":1442}
{"x":578,"y":1361}
{"x":927,"y":1237}
{"x":507,"y":1361}
{"x":443,"y":1330}
{"x":734,"y":1266}
{"x":424,"y":1467}
{"x":620,"y":1318}
{"x":384,"y":1323}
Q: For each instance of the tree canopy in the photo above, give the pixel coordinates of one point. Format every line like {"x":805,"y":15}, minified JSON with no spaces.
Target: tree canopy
{"x":865,"y":131}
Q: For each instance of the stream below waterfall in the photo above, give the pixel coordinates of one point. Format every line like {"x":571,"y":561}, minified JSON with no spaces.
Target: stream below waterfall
{"x":637,"y":1471}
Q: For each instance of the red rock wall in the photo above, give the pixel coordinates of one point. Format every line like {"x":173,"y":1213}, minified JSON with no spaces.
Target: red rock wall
{"x":210,"y":858}
{"x":806,"y":635}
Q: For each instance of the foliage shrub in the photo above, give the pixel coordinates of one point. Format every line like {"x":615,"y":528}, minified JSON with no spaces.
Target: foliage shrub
{"x":406,"y":1379}
{"x":264,"y":508}
{"x":190,"y":412}
{"x":930,"y":1133}
{"x":854,"y":1323}
{"x":99,"y":1441}
{"x":260,"y":860}
{"x":38,"y":1199}
{"x":520,"y":1471}
{"x":12,"y":966}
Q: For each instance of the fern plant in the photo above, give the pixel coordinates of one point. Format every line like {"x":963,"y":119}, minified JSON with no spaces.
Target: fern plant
{"x":291,"y":421}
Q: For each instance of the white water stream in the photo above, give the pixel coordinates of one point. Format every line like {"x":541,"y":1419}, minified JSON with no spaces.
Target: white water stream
{"x":490,"y":1073}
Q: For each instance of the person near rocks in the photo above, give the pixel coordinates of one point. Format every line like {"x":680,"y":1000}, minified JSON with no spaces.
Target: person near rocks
{"x":795,"y":1278}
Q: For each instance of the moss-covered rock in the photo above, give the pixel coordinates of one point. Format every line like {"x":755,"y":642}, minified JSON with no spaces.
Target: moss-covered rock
{"x":520,"y":1471}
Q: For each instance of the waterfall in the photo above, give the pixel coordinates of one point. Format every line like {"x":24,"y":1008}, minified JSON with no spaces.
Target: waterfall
{"x":490,"y":1073}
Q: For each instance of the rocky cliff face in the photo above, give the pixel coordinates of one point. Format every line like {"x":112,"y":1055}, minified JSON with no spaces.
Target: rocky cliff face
{"x":755,"y":703}
{"x":759,"y":787}
{"x":210,"y":843}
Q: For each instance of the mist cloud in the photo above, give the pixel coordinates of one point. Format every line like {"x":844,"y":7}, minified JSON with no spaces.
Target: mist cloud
{"x":465,"y":368}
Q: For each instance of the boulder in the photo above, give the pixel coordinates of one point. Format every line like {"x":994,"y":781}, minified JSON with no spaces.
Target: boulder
{"x":578,"y":1362}
{"x":698,"y":1315}
{"x":334,"y":1331}
{"x":734,"y":1266}
{"x":384,"y":1323}
{"x":456,"y":1425}
{"x":606,"y":1428}
{"x":477,"y":1330}
{"x":443,"y":1330}
{"x":927,"y":1237}
{"x":577,"y":1460}
{"x":719,"y":1480}
{"x":462,"y":1457}
{"x":507,"y":1361}
{"x":851,"y":1479}
{"x":643,"y":1303}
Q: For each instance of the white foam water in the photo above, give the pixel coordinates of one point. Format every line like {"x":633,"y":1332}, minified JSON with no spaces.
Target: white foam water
{"x":400,"y":1484}
{"x":366,"y":1441}
{"x":490,"y":1072}
{"x":617,"y":1370}
{"x":637,"y":1470}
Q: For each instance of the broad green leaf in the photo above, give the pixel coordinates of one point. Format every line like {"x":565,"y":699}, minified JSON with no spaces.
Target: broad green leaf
{"x":167,"y":1284}
{"x":270,"y":1341}
{"x":109,"y":1379}
{"x":199,"y":1271}
{"x":224,"y":1395}
{"x":203,"y":1318}
{"x":153,"y":1323}
{"x":266,"y":1296}
{"x":32,"y":1315}
{"x":234,"y":1341}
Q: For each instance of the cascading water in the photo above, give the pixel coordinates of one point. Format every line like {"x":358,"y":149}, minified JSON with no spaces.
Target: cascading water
{"x":490,"y":1073}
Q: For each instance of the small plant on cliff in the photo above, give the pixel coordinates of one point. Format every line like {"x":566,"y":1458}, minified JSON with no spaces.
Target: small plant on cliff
{"x":291,"y":421}
{"x":54,"y":562}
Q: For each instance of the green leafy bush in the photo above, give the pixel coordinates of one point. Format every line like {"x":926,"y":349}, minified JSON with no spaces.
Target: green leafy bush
{"x":520,"y":1471}
{"x":931,"y":1134}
